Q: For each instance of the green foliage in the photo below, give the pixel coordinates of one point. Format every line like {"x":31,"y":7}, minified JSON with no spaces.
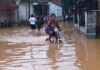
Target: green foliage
{"x":98,"y":37}
{"x":67,"y":4}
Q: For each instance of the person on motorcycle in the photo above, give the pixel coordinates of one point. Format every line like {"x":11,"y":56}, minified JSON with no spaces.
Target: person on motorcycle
{"x":52,"y":24}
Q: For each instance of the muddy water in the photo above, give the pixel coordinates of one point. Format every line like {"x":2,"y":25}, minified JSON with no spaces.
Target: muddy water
{"x":21,"y":49}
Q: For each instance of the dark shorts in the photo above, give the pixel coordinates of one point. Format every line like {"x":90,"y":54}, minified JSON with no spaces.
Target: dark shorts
{"x":33,"y":26}
{"x":47,"y":30}
{"x":54,"y":34}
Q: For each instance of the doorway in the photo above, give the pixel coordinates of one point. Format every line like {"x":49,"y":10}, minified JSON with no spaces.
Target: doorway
{"x":41,"y":10}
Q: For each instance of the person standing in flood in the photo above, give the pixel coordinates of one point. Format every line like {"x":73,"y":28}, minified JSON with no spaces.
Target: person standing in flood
{"x":38,"y":24}
{"x":32,"y":21}
{"x":41,"y":20}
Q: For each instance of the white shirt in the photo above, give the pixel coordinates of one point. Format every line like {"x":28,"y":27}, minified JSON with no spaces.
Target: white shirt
{"x":32,"y":20}
{"x":66,"y":16}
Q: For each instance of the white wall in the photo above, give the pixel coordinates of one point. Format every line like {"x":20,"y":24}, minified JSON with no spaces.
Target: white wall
{"x":31,"y":9}
{"x":23,"y":11}
{"x":79,"y":28}
{"x":53,"y":8}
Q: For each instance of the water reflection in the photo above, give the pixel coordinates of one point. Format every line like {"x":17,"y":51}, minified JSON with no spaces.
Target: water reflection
{"x":62,"y":56}
{"x":53,"y":54}
{"x":87,"y":53}
{"x":13,"y":56}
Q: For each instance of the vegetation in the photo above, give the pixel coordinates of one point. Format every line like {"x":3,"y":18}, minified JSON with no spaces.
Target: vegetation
{"x":98,"y":37}
{"x":67,"y":5}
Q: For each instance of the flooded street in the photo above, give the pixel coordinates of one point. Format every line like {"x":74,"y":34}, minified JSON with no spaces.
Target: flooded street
{"x":20,"y":49}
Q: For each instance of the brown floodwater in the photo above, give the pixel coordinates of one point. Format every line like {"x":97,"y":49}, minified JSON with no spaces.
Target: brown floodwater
{"x":22,"y":49}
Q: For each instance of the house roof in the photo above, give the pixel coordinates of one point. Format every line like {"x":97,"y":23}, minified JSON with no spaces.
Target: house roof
{"x":57,"y":2}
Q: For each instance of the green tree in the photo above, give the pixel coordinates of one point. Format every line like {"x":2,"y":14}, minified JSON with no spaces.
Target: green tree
{"x":65,"y":5}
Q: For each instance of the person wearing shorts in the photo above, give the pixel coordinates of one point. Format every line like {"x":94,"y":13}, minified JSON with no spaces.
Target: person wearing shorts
{"x":32,"y":21}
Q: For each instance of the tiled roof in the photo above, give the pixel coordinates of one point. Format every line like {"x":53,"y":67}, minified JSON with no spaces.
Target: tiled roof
{"x":58,"y":2}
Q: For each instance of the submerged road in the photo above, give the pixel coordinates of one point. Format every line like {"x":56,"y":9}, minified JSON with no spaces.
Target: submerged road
{"x":22,"y":49}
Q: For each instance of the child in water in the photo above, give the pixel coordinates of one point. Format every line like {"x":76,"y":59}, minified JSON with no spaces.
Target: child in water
{"x":32,"y":21}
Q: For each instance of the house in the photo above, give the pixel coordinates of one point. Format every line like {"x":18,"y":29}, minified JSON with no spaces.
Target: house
{"x":86,"y":17}
{"x":24,"y":10}
{"x":38,"y":7}
{"x":7,"y":11}
{"x":56,"y":9}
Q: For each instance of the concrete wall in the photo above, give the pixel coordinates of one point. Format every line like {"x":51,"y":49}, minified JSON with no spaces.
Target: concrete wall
{"x":90,"y":25}
{"x":23,"y":11}
{"x":7,"y":16}
{"x":3,"y":16}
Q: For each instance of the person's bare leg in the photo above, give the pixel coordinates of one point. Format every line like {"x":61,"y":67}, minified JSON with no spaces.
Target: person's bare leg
{"x":50,"y":35}
{"x":56,"y":39}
